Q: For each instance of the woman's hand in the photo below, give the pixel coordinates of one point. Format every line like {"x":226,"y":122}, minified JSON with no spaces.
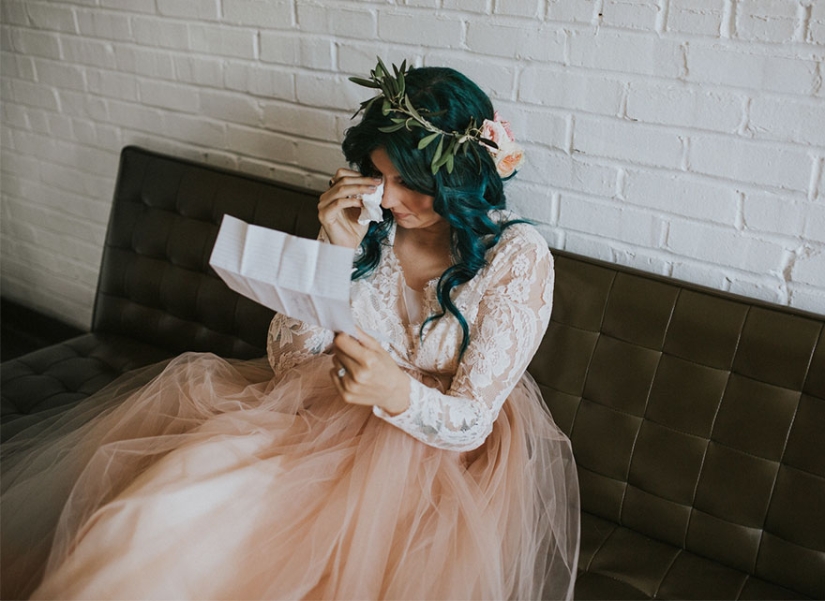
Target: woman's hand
{"x":366,"y":374}
{"x":339,"y":207}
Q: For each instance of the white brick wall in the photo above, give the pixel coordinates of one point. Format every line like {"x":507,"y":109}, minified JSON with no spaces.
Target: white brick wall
{"x":683,"y":137}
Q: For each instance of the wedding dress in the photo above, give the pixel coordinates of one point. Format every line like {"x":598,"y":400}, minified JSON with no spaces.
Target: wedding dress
{"x":206,"y":478}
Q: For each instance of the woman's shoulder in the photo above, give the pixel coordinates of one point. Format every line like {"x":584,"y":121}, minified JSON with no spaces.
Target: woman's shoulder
{"x":518,"y":237}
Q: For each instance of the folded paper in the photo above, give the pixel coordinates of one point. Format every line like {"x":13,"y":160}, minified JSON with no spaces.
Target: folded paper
{"x":304,"y":279}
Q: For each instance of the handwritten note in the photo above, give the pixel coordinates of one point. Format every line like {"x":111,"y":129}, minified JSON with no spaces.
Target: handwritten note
{"x":301,"y":278}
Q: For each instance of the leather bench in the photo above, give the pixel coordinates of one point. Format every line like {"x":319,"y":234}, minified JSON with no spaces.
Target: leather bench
{"x":697,"y":417}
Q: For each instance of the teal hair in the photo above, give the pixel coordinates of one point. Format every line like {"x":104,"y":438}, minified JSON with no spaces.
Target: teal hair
{"x":464,"y":198}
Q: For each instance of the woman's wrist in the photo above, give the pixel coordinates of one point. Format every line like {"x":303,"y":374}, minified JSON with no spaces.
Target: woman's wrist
{"x":400,"y":401}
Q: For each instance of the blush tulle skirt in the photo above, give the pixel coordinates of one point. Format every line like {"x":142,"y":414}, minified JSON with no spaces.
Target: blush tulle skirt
{"x":205,"y":479}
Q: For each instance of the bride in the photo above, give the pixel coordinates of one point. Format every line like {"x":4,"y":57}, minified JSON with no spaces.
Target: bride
{"x":425,"y":466}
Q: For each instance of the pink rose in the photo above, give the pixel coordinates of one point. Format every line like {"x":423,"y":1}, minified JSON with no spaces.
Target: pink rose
{"x":509,"y":155}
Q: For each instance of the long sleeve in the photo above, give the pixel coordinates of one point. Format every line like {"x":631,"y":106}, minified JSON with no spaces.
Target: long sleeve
{"x":512,"y":317}
{"x":290,"y":341}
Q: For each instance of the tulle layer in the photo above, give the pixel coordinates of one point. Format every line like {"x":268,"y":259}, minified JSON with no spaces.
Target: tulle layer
{"x":205,"y":479}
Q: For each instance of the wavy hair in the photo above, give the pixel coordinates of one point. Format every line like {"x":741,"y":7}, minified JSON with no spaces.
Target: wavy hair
{"x":464,"y":197}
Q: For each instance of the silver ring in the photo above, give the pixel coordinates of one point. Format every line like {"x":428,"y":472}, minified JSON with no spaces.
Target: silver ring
{"x":341,"y":372}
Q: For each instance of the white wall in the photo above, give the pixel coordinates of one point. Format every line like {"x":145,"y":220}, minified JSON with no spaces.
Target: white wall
{"x":684,"y":137}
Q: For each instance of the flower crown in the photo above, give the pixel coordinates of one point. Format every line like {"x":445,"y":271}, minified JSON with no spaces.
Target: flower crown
{"x":495,"y":136}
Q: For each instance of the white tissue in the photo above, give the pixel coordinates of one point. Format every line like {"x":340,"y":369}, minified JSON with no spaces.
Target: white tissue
{"x":371,"y":210}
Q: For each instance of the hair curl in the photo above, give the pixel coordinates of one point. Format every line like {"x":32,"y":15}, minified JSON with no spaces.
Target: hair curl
{"x":464,"y":197}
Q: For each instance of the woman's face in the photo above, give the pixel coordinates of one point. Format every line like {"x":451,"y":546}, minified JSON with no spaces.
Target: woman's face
{"x":410,"y":209}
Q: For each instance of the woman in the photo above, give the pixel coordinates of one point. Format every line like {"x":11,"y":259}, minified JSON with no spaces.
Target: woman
{"x":424,"y":467}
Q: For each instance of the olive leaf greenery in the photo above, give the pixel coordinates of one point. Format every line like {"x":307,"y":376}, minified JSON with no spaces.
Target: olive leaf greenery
{"x":395,"y":101}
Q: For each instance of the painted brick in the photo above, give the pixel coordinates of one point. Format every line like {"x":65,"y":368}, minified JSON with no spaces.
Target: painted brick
{"x":202,"y":10}
{"x":765,"y":20}
{"x":768,"y":289}
{"x":788,"y":120}
{"x":521,"y":8}
{"x":212,"y":39}
{"x":230,"y":107}
{"x":517,"y":40}
{"x":8,"y":65}
{"x":640,"y":260}
{"x":109,"y":26}
{"x":144,"y":61}
{"x":260,"y":144}
{"x":260,"y":81}
{"x":532,"y":201}
{"x":608,"y":219}
{"x":571,"y":11}
{"x":746,"y":161}
{"x":60,"y":75}
{"x":704,"y":274}
{"x":436,"y":32}
{"x":497,"y":80}
{"x":536,"y":126}
{"x":724,"y":246}
{"x":698,"y":17}
{"x":34,"y":43}
{"x":136,"y":116}
{"x":319,"y":156}
{"x":678,"y":194}
{"x":132,"y":6}
{"x":774,"y":213}
{"x":562,"y":89}
{"x":160,"y":33}
{"x":88,"y":52}
{"x":589,"y":246}
{"x":199,"y":70}
{"x":195,"y":130}
{"x":297,"y":120}
{"x":43,"y":15}
{"x":259,"y":13}
{"x":806,"y":298}
{"x":814,"y":228}
{"x":168,"y":95}
{"x":78,"y":104}
{"x":315,"y":17}
{"x":630,"y":14}
{"x":809,"y":268}
{"x":328,"y":92}
{"x":296,"y":50}
{"x":627,"y":52}
{"x":32,"y":94}
{"x":686,"y":106}
{"x":609,"y":138}
{"x":816,"y":24}
{"x":13,"y":12}
{"x":561,"y":171}
{"x":470,"y":6}
{"x":726,"y":66}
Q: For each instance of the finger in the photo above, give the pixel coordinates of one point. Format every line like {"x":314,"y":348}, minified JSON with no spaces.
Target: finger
{"x":368,"y":341}
{"x":349,"y":351}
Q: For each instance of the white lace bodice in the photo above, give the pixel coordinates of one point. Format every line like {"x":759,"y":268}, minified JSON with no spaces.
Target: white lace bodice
{"x":453,"y":403}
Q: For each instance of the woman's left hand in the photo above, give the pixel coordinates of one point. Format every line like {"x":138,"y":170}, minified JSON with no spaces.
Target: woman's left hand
{"x":371,"y":376}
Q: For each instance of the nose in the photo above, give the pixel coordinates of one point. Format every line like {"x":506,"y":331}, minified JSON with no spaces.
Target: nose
{"x":388,"y":200}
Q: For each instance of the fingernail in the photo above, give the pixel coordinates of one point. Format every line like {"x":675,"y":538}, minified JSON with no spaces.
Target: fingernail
{"x":372,"y":188}
{"x":376,"y":179}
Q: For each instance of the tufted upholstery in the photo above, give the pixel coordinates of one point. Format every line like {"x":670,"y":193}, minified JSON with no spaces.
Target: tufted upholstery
{"x":696,"y":417}
{"x":157,"y":295}
{"x":697,"y":424}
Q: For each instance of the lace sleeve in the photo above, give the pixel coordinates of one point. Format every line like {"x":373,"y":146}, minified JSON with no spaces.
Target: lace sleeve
{"x":290,"y":341}
{"x":513,"y":315}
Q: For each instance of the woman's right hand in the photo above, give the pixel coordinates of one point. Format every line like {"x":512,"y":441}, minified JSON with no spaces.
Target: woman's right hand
{"x":340,"y":206}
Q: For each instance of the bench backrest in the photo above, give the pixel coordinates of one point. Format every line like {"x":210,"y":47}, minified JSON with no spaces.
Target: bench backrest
{"x":696,"y":417}
{"x":156,"y":284}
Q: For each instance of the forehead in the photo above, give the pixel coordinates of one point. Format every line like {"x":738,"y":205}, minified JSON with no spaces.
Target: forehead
{"x":381,"y":161}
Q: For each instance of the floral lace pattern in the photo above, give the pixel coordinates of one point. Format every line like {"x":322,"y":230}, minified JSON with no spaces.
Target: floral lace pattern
{"x":453,"y":403}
